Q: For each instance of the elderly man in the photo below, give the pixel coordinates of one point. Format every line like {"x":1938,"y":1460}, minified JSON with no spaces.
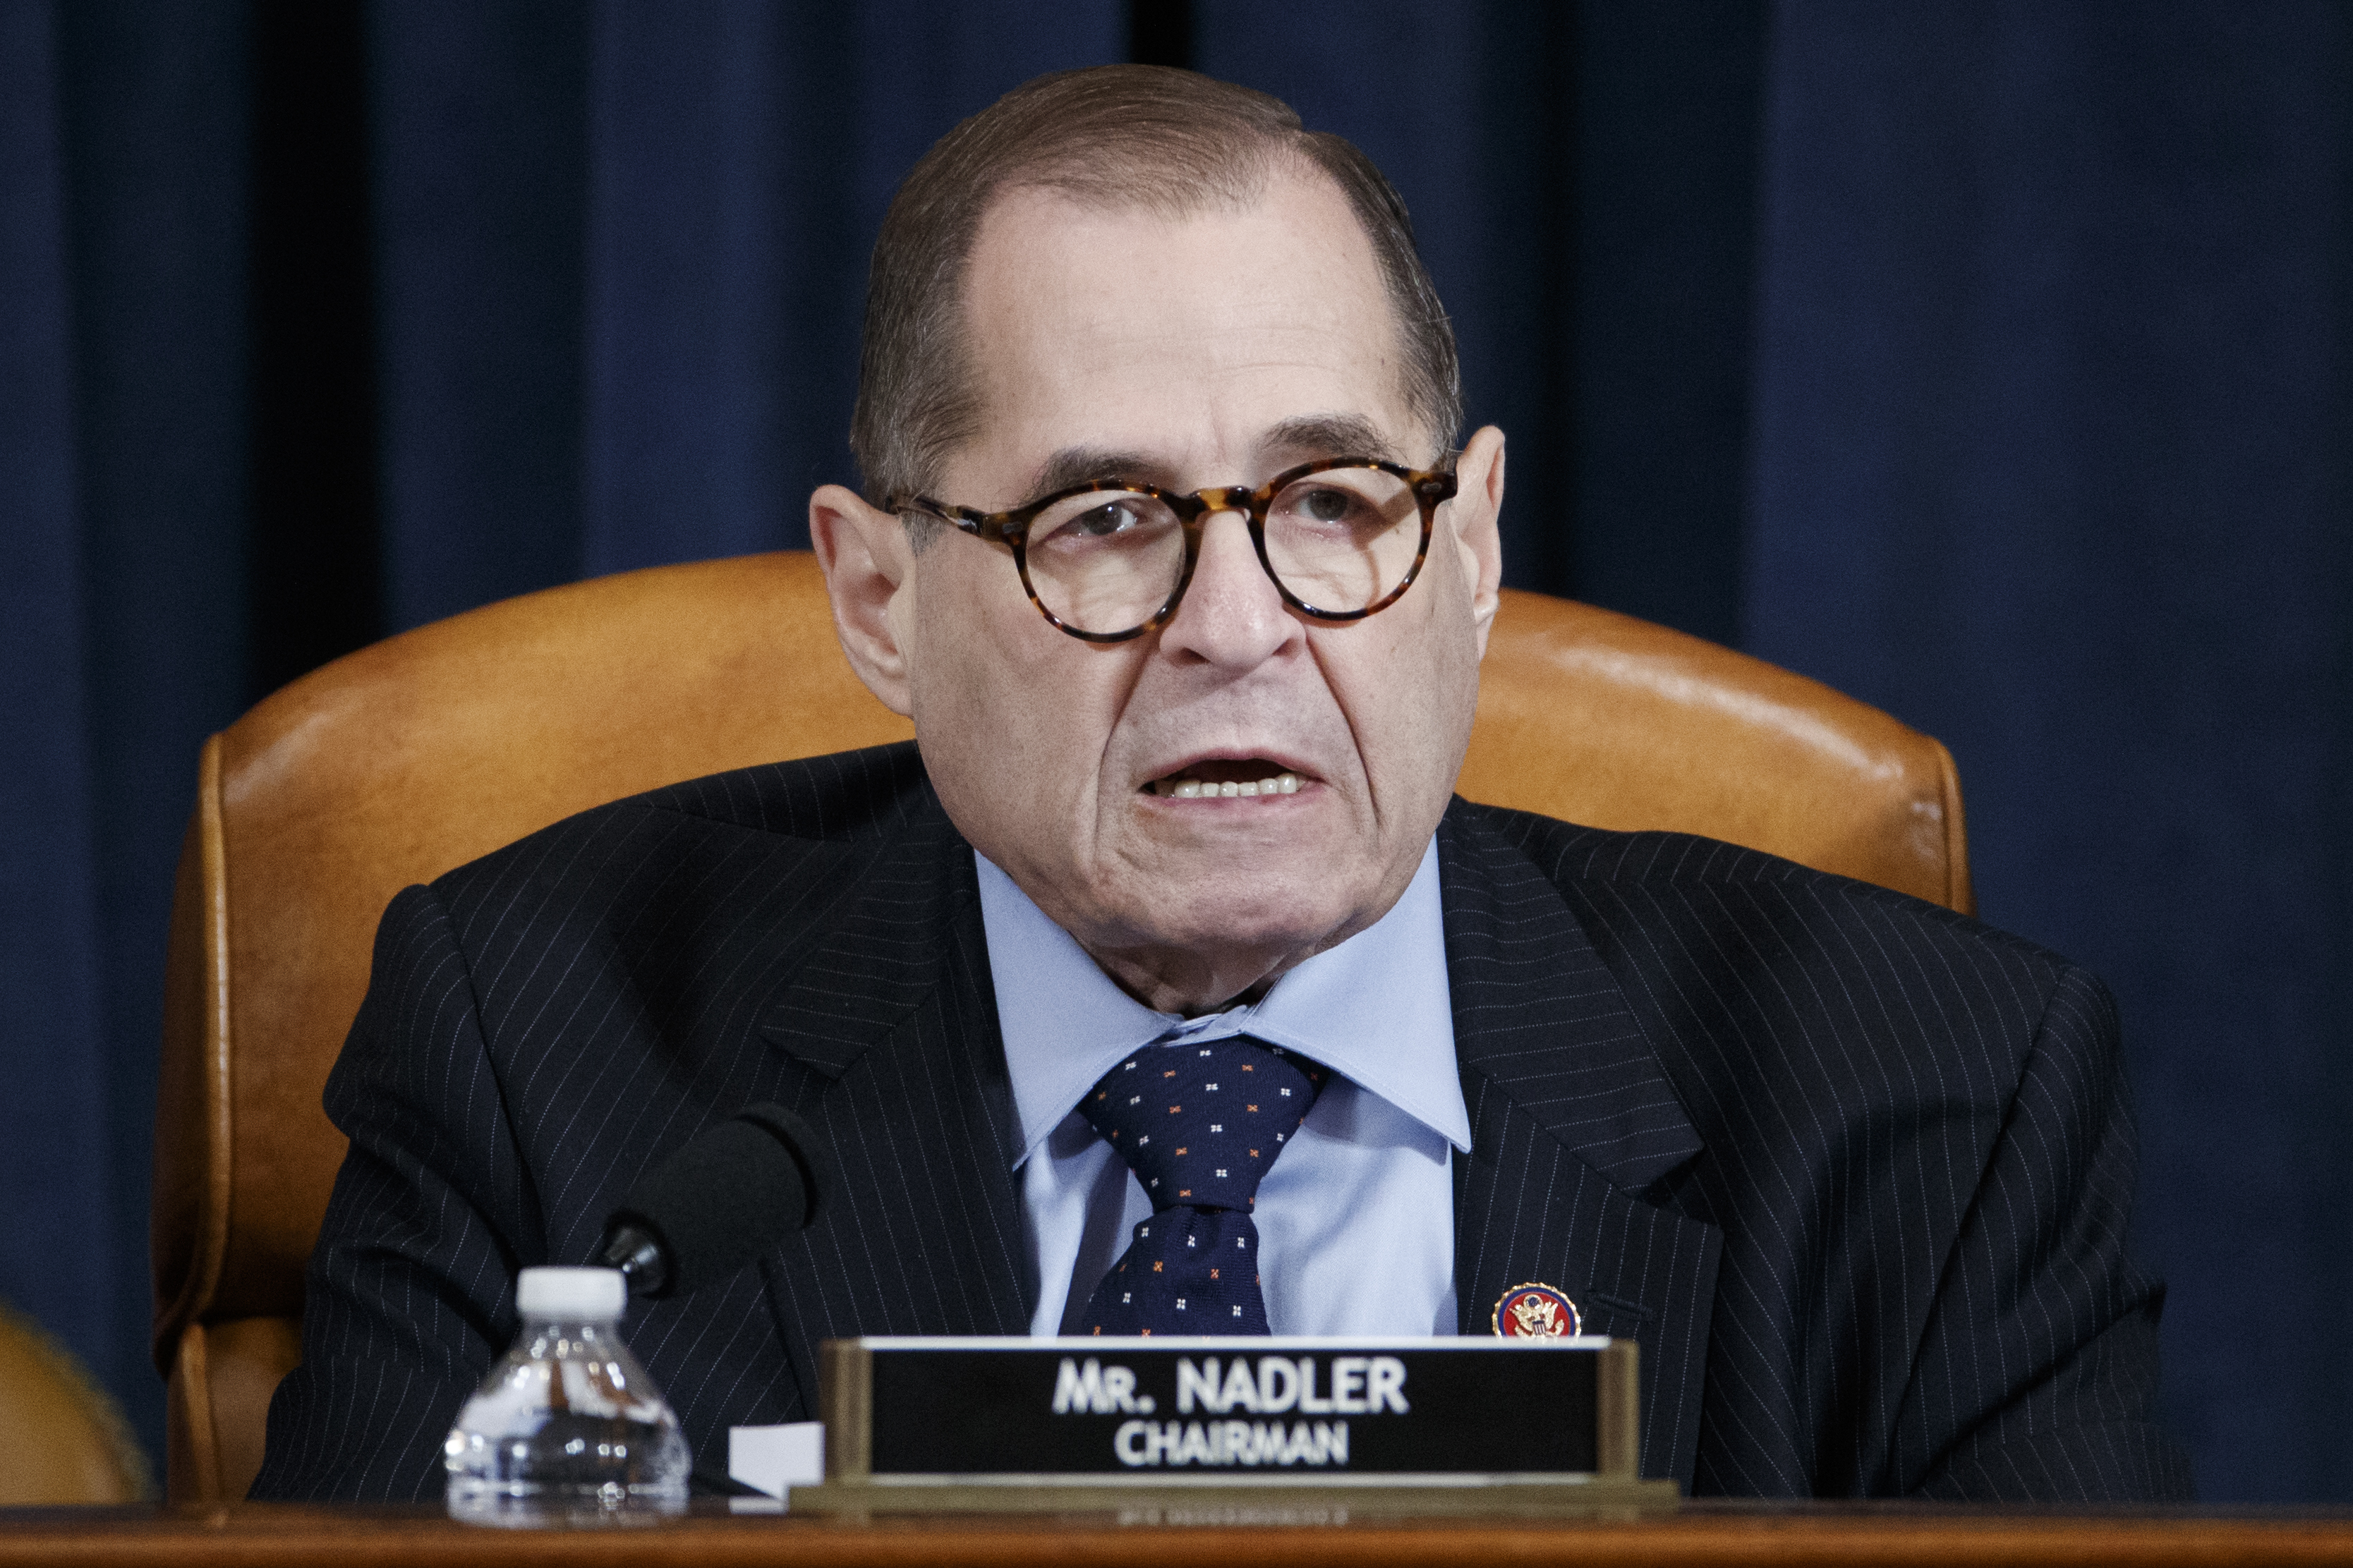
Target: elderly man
{"x":1167,"y":547}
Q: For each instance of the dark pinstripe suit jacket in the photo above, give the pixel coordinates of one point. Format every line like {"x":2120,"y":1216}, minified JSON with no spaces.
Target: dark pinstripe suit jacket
{"x":1854,"y":1169}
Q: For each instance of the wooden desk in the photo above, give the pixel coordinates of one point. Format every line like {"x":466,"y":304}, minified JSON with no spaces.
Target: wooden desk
{"x":1703,"y":1533}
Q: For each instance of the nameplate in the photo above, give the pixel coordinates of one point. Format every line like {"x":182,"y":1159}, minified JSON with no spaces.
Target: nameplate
{"x":1162,"y":1411}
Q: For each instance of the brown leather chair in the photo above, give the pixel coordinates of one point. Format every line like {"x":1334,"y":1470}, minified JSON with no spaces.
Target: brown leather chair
{"x":62,"y":1440}
{"x":415,"y":756}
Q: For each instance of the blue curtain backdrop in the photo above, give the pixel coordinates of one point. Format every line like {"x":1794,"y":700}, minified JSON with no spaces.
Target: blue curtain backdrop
{"x":1994,"y":364}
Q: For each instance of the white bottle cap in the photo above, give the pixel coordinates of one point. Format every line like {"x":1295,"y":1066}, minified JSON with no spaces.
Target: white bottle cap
{"x":587,"y":1295}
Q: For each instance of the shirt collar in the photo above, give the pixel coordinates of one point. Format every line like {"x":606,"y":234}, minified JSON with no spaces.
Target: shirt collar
{"x":1375,"y":1009}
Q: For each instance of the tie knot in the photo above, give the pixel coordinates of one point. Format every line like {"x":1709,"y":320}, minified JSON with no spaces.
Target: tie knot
{"x":1199,"y":1124}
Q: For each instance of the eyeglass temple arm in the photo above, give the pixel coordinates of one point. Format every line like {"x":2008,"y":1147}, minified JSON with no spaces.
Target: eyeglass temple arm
{"x":978,"y":524}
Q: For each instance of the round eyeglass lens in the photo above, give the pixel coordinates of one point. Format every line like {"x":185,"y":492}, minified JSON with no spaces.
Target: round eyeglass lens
{"x":1105,"y":561}
{"x":1343,"y":539}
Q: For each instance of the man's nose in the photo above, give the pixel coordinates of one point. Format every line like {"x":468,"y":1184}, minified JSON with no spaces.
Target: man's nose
{"x":1232,"y":615}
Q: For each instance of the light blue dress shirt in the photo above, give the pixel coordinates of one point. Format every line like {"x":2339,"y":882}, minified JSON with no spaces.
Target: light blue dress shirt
{"x":1356,"y":1219}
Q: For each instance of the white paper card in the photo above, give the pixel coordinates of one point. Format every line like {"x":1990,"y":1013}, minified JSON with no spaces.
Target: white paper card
{"x":771,"y":1458}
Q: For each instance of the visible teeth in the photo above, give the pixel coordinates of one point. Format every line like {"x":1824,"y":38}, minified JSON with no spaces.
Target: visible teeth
{"x":1193,"y":789}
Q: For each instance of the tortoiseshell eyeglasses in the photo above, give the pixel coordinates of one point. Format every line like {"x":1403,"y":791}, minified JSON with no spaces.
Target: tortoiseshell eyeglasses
{"x":1110,"y":560}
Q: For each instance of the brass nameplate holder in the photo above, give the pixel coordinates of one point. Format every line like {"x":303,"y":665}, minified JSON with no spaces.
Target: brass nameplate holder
{"x":1256,"y":1429}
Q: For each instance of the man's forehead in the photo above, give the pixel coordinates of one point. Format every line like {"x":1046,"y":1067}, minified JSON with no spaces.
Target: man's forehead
{"x":1050,"y":247}
{"x":1130,"y":342}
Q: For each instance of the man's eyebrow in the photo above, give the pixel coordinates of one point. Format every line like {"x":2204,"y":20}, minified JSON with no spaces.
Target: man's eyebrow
{"x":1312,"y":436}
{"x":1296,"y":441}
{"x":1082,"y":465}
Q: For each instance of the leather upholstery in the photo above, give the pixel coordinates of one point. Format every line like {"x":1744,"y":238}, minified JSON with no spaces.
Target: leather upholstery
{"x":61,"y":1438}
{"x":415,"y":756}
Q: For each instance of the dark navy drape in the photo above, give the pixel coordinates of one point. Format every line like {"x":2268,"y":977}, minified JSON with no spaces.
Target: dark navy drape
{"x":2055,"y":460}
{"x":1994,"y":364}
{"x":123,"y":598}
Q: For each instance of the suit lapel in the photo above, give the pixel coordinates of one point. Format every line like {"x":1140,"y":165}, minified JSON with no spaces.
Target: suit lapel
{"x":1570,"y":1115}
{"x":895,"y":1058}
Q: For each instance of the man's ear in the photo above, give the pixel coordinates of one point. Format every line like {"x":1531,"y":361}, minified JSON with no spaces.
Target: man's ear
{"x":867,"y":566}
{"x":1478,"y":534}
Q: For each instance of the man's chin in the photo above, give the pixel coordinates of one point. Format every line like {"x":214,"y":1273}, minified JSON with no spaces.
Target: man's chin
{"x":1246,"y":928}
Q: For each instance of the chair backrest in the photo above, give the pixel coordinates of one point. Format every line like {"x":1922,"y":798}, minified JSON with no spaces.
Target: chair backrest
{"x":412,"y":757}
{"x":62,"y":1440}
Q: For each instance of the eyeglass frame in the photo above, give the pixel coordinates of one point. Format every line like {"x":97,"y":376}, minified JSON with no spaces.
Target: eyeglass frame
{"x":1010,"y":528}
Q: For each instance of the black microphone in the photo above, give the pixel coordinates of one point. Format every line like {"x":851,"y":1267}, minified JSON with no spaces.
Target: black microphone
{"x":717,"y":1204}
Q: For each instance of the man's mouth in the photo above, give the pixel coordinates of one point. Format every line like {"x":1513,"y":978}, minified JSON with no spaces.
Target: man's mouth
{"x":1244,"y":778}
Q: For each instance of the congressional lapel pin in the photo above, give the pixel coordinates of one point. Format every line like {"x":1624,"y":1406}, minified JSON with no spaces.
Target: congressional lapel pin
{"x":1533,"y":1312}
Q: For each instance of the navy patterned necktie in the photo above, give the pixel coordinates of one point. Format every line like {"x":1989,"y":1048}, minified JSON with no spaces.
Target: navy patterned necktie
{"x":1199,"y":1125}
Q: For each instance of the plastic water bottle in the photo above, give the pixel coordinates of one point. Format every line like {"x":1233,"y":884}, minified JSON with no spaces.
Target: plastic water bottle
{"x":567,"y":1430}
